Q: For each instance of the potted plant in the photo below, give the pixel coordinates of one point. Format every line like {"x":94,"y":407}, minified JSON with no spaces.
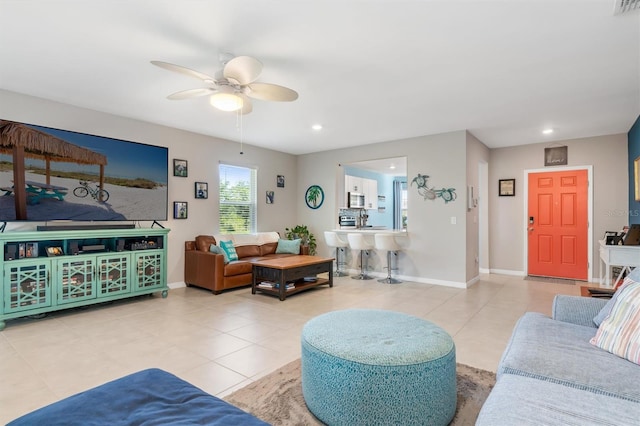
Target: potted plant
{"x":302,"y":232}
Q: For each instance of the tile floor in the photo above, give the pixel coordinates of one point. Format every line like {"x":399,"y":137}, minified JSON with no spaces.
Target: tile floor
{"x":222,"y":343}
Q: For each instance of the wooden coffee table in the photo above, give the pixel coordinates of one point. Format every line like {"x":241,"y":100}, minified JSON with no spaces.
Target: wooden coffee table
{"x":291,"y":269}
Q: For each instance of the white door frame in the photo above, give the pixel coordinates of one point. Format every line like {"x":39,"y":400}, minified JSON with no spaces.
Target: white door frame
{"x":483,"y":216}
{"x":525,"y":221}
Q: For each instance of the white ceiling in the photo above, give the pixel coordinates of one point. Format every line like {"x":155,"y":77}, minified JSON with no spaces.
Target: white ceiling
{"x":368,"y":71}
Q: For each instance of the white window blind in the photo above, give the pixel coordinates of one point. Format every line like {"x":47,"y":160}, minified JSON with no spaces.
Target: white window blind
{"x":237,"y":199}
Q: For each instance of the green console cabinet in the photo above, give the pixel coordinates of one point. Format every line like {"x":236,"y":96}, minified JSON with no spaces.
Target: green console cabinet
{"x":46,"y":271}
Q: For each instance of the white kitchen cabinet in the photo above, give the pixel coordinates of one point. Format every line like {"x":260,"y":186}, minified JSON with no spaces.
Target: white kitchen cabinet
{"x":368,"y":187}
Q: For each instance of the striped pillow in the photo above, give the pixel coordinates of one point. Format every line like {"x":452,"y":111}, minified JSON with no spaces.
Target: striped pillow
{"x":619,"y":333}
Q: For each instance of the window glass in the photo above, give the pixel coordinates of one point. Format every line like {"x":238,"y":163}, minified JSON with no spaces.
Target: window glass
{"x":237,"y":199}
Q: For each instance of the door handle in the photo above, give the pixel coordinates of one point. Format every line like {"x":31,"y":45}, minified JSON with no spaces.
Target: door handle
{"x":530,"y":229}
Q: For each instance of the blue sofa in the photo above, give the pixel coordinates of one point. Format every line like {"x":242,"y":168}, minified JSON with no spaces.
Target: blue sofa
{"x":550,"y":374}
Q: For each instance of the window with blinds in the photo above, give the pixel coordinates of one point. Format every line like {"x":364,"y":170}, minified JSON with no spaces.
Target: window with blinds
{"x":237,"y":199}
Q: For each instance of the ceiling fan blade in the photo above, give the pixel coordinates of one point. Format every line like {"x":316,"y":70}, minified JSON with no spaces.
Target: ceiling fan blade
{"x":247,"y":105}
{"x":183,"y":70}
{"x":243,"y":69}
{"x":191,"y":93}
{"x":271,"y":92}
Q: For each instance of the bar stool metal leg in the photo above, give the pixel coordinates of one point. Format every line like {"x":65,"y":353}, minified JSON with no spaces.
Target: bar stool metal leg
{"x":357,"y":242}
{"x":333,"y":240}
{"x":389,"y":279}
{"x":339,"y":263}
{"x":387,"y":242}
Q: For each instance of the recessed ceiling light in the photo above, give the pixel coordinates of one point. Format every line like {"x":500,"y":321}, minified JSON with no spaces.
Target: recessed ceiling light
{"x":547,"y":131}
{"x":392,"y":166}
{"x":317,"y":127}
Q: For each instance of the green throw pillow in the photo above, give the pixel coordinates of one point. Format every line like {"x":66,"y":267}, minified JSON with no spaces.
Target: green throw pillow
{"x":229,"y":249}
{"x":217,"y":250}
{"x":289,"y":246}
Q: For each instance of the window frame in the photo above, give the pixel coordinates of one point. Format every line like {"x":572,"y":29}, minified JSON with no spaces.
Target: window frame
{"x":226,"y":173}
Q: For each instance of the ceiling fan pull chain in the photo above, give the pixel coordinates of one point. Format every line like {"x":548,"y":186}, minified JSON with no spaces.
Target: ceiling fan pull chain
{"x":239,"y":127}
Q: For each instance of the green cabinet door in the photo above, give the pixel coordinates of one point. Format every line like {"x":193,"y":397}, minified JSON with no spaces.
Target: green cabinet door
{"x":114,"y":274}
{"x":27,"y":285}
{"x":150,"y":271}
{"x":76,"y":279}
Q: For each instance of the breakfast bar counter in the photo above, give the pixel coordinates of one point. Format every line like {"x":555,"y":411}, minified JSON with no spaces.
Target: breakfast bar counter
{"x":372,"y":230}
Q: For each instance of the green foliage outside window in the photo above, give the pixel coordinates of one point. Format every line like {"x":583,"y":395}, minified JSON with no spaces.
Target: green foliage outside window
{"x":236,"y":209}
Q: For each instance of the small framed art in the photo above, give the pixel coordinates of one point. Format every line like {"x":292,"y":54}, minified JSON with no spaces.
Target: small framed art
{"x":54,"y":251}
{"x":270,"y":196}
{"x":180,"y":210}
{"x":507,"y":187}
{"x":556,"y":156}
{"x":31,"y":250}
{"x":280,"y":181}
{"x":202,"y":190}
{"x":180,"y":168}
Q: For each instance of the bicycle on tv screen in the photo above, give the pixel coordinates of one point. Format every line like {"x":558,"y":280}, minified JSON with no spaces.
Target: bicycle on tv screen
{"x":50,"y":174}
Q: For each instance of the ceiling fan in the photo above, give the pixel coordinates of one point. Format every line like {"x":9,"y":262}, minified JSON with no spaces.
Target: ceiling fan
{"x":233,"y":86}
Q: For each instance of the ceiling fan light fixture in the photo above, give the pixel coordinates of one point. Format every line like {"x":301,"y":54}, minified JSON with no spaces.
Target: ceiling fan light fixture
{"x":226,"y":100}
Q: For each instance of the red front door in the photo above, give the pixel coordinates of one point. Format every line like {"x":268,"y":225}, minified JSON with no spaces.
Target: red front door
{"x":558,"y":224}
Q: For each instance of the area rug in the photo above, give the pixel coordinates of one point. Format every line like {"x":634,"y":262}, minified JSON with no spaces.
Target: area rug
{"x":277,"y":398}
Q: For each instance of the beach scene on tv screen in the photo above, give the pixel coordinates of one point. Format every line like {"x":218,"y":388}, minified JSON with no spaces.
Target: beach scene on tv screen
{"x":80,"y":177}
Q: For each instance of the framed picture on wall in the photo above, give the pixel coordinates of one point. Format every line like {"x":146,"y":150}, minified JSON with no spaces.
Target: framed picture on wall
{"x":556,"y":156}
{"x":507,"y":187}
{"x":280,"y":181}
{"x":180,"y":210}
{"x":202,"y":190}
{"x":180,"y":168}
{"x":636,"y":177}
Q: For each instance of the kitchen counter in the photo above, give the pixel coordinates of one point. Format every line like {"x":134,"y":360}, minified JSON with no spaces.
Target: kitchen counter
{"x":371,"y":230}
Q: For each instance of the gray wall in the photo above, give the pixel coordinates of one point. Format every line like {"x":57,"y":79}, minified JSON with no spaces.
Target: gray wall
{"x":432,"y":249}
{"x":607,"y":155}
{"x":202,"y":153}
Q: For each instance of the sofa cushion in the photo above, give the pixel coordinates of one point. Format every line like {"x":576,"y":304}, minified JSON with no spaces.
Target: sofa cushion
{"x":560,"y":352}
{"x":247,"y":251}
{"x":238,"y":267}
{"x":288,"y":246}
{"x":203,"y":242}
{"x":619,"y":332}
{"x":147,"y":397}
{"x":228,"y":247}
{"x":217,"y":250}
{"x":517,"y":400}
{"x":268,"y":248}
{"x":634,"y":276}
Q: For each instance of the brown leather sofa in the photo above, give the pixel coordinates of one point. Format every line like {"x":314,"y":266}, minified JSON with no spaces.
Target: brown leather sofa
{"x":208,"y":270}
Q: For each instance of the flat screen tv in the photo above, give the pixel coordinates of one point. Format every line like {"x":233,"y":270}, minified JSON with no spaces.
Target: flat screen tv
{"x":74,"y":176}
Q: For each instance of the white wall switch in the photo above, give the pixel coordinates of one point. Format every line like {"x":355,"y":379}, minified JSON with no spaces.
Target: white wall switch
{"x":453,"y":220}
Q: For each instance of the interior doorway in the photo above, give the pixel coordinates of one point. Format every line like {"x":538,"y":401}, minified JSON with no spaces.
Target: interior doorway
{"x":558,"y":217}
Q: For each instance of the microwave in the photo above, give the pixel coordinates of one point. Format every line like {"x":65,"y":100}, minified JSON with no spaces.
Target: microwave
{"x":355,"y":200}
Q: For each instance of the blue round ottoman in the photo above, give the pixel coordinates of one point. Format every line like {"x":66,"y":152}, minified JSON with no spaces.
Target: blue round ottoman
{"x":366,"y":367}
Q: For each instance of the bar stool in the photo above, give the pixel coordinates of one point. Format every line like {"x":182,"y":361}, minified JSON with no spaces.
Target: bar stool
{"x":357,"y":242}
{"x":333,"y":240}
{"x":387,"y":242}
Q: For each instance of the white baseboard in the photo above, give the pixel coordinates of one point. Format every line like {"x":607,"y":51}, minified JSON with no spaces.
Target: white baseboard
{"x":421,"y":280}
{"x":473,"y":281}
{"x":507,"y":272}
{"x":179,"y":284}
